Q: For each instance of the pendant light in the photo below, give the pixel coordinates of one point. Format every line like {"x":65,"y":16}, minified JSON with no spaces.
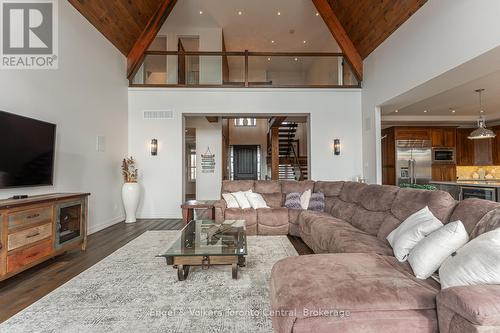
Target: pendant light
{"x":481,"y":132}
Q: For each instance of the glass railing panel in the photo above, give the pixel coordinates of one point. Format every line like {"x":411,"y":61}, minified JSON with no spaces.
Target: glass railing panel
{"x":233,"y":70}
{"x":301,"y":71}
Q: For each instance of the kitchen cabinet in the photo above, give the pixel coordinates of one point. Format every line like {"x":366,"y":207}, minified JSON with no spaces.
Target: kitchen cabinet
{"x":444,"y":172}
{"x":465,"y":147}
{"x":476,"y":152}
{"x":443,"y":137}
{"x":412,"y":133}
{"x":496,"y":146}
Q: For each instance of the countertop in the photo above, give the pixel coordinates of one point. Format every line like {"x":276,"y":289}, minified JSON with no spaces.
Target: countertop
{"x":475,"y":183}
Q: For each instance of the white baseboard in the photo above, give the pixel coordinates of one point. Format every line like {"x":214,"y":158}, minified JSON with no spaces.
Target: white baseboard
{"x":95,"y":228}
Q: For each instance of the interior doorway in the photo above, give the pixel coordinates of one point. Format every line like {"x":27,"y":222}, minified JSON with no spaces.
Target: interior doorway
{"x":245,"y":162}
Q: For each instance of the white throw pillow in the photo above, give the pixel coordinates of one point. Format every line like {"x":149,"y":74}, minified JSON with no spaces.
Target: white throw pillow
{"x":477,"y":262}
{"x":242,"y":199}
{"x":231,"y":201}
{"x":305,"y":198}
{"x":426,"y":257}
{"x":411,"y":231}
{"x":256,"y":200}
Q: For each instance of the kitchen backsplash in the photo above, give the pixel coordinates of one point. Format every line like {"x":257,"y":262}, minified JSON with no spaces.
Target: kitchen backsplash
{"x":476,"y":172}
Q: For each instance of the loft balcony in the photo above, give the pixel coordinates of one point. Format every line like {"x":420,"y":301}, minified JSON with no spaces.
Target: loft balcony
{"x":202,"y":69}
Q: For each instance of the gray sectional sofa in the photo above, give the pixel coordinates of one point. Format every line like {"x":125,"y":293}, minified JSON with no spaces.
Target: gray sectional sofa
{"x":353,"y":283}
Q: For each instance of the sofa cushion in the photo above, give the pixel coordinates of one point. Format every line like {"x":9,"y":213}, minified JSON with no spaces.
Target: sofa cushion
{"x":367,"y":220}
{"x":360,"y":283}
{"x":272,"y":221}
{"x":249,"y":215}
{"x":378,"y":198}
{"x":289,"y":186}
{"x":293,"y":215}
{"x":321,"y":232}
{"x":307,"y":218}
{"x":353,"y":240}
{"x":330,"y":189}
{"x":351,"y":191}
{"x":343,"y":210}
{"x":273,"y":200}
{"x":489,"y":222}
{"x":471,"y":211}
{"x":409,"y":201}
{"x":267,"y":186}
{"x":229,"y":186}
{"x":390,"y":223}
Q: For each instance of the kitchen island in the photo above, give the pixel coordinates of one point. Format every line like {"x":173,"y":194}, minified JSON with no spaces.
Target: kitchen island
{"x":463,"y":189}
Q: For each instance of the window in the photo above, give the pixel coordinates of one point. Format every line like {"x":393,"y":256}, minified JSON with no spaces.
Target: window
{"x":192,"y":164}
{"x":245,"y":122}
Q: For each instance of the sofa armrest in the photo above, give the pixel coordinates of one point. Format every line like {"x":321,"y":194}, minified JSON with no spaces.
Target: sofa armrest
{"x":220,"y":207}
{"x":480,"y":305}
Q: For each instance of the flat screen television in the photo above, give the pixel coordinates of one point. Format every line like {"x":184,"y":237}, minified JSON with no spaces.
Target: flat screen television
{"x":26,"y":151}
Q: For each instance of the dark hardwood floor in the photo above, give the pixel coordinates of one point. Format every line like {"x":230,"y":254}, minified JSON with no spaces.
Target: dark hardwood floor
{"x":21,"y":290}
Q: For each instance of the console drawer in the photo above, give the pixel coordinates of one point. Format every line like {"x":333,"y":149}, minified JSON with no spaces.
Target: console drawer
{"x":32,"y":216}
{"x":25,"y":257}
{"x":28,"y":236}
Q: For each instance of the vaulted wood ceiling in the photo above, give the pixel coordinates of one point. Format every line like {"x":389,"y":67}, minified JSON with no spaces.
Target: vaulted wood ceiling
{"x":359,"y":26}
{"x":120,"y":21}
{"x":369,"y":22}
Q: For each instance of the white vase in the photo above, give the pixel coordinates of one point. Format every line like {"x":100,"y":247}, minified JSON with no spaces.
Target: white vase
{"x":130,"y":197}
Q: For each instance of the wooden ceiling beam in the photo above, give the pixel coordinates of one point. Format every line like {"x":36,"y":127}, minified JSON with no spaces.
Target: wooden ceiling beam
{"x":341,"y":36}
{"x":136,"y":54}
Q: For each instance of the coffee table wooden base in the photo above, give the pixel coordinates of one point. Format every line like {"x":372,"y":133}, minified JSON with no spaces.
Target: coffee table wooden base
{"x":183,"y":263}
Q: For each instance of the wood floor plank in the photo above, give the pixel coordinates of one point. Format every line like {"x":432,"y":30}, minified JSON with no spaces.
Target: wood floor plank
{"x":23,"y":289}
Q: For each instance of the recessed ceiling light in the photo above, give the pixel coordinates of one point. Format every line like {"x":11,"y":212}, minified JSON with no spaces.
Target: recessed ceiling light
{"x":396,"y":111}
{"x":201,"y":12}
{"x":279,"y":13}
{"x":425,"y":111}
{"x":272,"y":42}
{"x":453,"y":111}
{"x":317,"y":14}
{"x":482,"y":111}
{"x":296,"y":59}
{"x":269,"y":59}
{"x":240,"y":12}
{"x":304,"y":42}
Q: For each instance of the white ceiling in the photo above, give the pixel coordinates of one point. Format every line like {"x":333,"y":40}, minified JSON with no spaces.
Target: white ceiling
{"x":463,"y":99}
{"x":259,"y":24}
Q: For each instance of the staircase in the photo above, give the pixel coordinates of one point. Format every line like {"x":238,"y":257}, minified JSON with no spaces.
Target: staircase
{"x":291,"y":166}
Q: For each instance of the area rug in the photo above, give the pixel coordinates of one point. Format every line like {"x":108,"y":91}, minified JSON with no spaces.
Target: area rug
{"x":133,"y":291}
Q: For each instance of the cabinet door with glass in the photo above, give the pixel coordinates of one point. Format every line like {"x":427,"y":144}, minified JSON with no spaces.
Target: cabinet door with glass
{"x":69,"y":225}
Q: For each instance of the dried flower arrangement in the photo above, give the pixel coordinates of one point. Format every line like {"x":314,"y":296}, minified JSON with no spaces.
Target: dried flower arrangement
{"x":128,"y":170}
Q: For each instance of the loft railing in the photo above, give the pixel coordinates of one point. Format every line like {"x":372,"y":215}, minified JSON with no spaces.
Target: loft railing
{"x":244,"y":70}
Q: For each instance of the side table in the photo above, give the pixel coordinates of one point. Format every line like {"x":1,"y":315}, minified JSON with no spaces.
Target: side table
{"x":189,"y":206}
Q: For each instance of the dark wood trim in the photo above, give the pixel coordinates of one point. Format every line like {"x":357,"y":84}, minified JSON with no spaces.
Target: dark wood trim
{"x":212,"y":119}
{"x":39,"y":199}
{"x":136,"y":55}
{"x":275,"y":153}
{"x":250,"y":54}
{"x":246,"y":68}
{"x":276,"y":122}
{"x":341,"y":36}
{"x":181,"y":61}
{"x":250,"y":85}
{"x":225,"y":62}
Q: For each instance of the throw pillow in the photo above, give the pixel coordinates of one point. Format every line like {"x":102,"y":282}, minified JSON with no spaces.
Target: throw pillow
{"x":317,"y":202}
{"x":305,"y":198}
{"x":256,"y":200}
{"x":426,"y":257}
{"x":292,"y":200}
{"x":242,"y":199}
{"x":477,"y":262}
{"x":411,"y":231}
{"x":231,"y":201}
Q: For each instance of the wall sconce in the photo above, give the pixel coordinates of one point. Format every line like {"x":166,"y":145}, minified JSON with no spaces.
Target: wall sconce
{"x":154,"y":147}
{"x":336,"y":146}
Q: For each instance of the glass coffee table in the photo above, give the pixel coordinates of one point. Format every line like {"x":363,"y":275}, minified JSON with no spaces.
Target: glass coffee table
{"x":205,"y":243}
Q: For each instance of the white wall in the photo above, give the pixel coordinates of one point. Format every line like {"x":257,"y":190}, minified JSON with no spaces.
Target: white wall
{"x":442,"y":35}
{"x":334,"y":113}
{"x":85,"y":97}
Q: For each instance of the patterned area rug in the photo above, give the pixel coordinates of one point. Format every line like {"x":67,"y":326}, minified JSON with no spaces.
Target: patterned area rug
{"x":133,"y":291}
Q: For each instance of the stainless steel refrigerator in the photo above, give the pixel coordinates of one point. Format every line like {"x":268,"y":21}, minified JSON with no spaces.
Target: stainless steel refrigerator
{"x":413,"y":161}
